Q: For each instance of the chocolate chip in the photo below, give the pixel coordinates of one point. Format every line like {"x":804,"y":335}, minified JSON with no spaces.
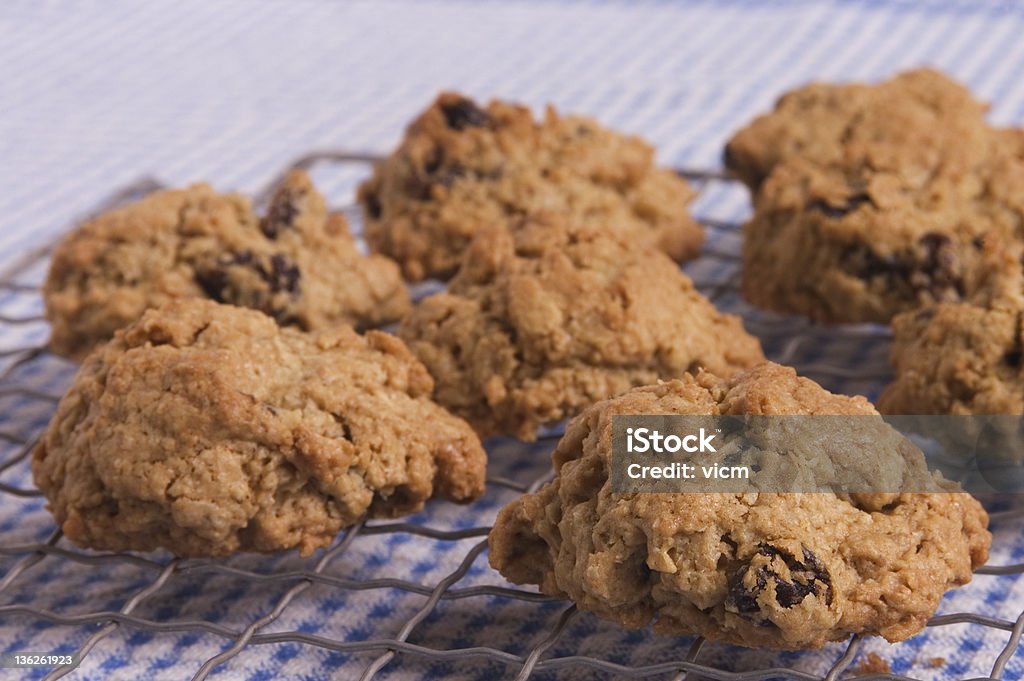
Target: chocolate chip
{"x":463,"y":113}
{"x":851,"y":204}
{"x":807,"y":576}
{"x":284,"y":208}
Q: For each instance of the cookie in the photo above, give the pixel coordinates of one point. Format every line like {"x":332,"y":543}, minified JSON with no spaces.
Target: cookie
{"x":872,"y":200}
{"x":964,"y":358}
{"x":772,"y":570}
{"x":915,"y":118}
{"x":207,"y":429}
{"x":546,"y":317}
{"x":462,"y":167}
{"x":297,"y":263}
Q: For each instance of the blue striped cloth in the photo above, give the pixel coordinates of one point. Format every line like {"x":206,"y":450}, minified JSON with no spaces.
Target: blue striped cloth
{"x":96,"y":95}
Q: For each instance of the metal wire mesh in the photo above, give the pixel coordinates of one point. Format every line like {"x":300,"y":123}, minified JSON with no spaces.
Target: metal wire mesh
{"x":786,"y":340}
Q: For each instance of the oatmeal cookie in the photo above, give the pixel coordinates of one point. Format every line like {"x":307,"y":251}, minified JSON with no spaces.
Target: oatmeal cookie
{"x":297,"y":263}
{"x":207,"y":429}
{"x":918,"y":116}
{"x":771,"y":570}
{"x":964,"y":358}
{"x":872,"y":200}
{"x":545,"y":318}
{"x":819,"y":246}
{"x":462,"y":167}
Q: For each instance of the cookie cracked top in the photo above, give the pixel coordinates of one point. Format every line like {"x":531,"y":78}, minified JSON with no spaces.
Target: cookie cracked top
{"x":916,"y":119}
{"x":770,"y":570}
{"x":545,"y":318}
{"x":964,"y":358}
{"x":871,"y":200}
{"x":297,"y":263}
{"x":461,"y":168}
{"x":207,"y":429}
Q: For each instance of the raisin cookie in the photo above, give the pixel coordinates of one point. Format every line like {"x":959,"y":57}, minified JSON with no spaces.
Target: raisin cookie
{"x":918,"y":116}
{"x":964,"y":358}
{"x":461,"y":167}
{"x":545,"y":318}
{"x":771,"y":570}
{"x":873,"y":200}
{"x":207,"y":429}
{"x":297,"y":263}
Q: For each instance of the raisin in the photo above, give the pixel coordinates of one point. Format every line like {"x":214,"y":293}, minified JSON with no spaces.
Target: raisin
{"x":937,"y":271}
{"x":740,"y":598}
{"x":283,"y":275}
{"x":450,"y":175}
{"x":807,"y":576}
{"x":373,"y":207}
{"x":1015,"y":355}
{"x":729,"y":159}
{"x":462,"y":113}
{"x":933,"y":267}
{"x":434,"y":161}
{"x":835,"y":212}
{"x":243,"y":258}
{"x":435,"y":172}
{"x":925,"y":314}
{"x":280,"y":275}
{"x":284,"y":208}
{"x":214,"y":281}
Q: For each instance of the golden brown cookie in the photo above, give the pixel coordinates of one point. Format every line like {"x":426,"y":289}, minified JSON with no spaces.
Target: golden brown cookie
{"x":769,"y":570}
{"x":462,"y":167}
{"x":207,"y":429}
{"x":545,"y":318}
{"x":964,"y":358}
{"x":297,"y":263}
{"x":915,"y":117}
{"x":871,"y":200}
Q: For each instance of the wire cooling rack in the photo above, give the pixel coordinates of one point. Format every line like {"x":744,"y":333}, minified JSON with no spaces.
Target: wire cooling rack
{"x":415,"y":599}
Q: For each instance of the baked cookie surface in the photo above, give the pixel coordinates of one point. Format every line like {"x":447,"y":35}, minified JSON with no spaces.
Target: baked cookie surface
{"x":207,"y":429}
{"x":545,"y":318}
{"x":914,"y":117}
{"x":769,"y":570}
{"x":871,"y":200}
{"x":964,"y":358}
{"x":462,"y":167}
{"x":297,"y":263}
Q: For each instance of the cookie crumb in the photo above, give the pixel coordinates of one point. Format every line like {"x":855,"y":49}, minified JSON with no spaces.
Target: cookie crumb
{"x":873,"y":664}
